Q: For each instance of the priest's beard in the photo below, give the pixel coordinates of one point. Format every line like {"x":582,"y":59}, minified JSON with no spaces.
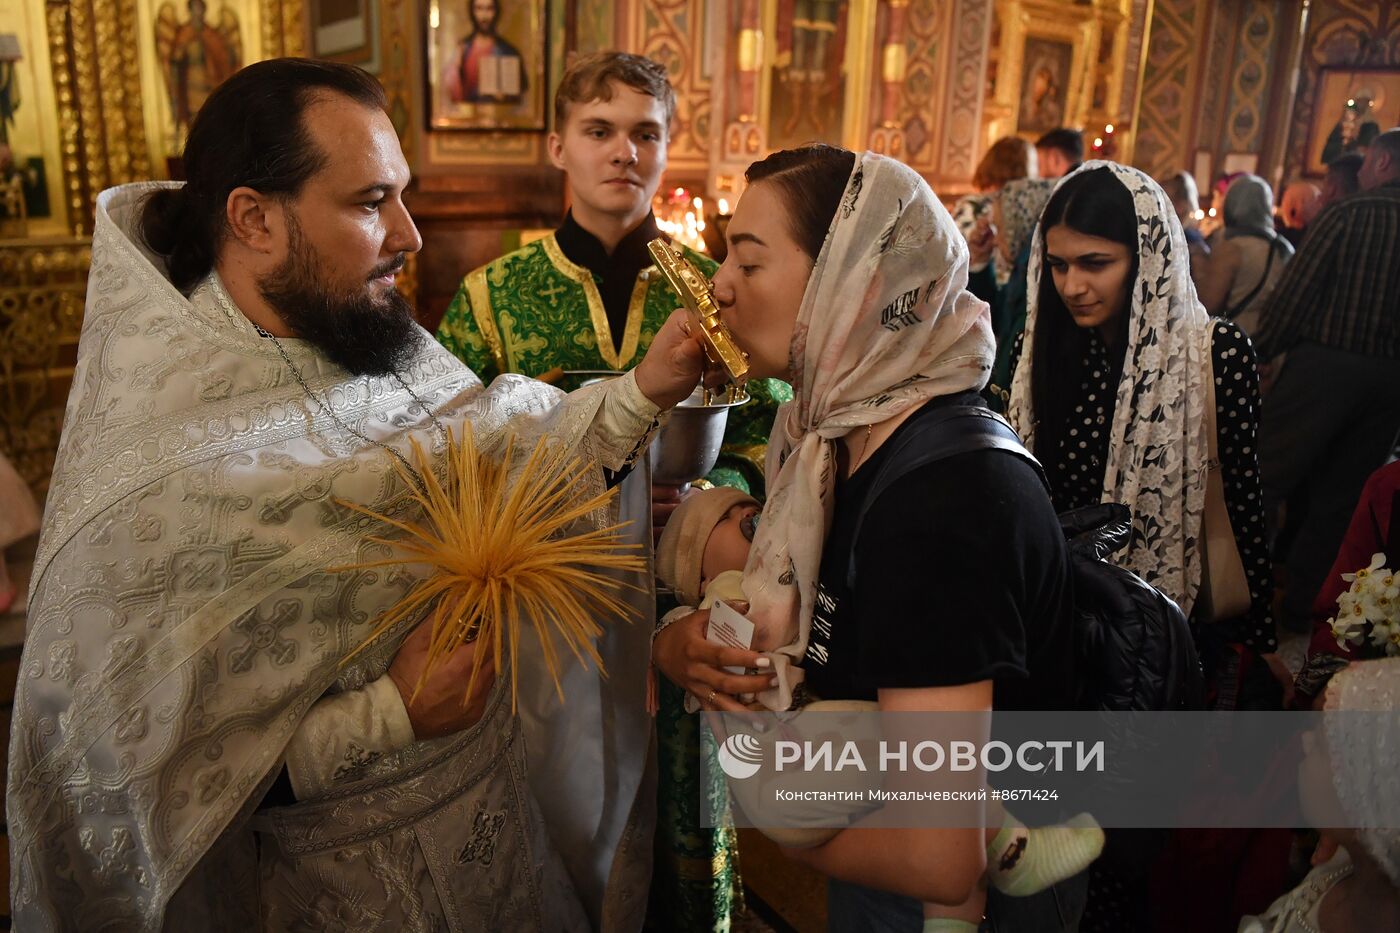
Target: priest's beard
{"x":367,"y":335}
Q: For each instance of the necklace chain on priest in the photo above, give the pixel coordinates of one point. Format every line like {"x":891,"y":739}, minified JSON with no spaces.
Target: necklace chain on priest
{"x":286,"y":358}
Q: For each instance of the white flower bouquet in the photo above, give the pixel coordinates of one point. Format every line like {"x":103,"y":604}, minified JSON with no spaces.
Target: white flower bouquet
{"x":1368,"y":613}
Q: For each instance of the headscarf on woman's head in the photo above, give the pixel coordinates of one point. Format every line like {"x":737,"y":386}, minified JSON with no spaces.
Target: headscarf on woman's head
{"x":1021,"y":203}
{"x":886,"y":323}
{"x":1249,"y":207}
{"x":1157,"y":443}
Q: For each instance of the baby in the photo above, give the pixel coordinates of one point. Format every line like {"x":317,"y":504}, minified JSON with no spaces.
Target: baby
{"x":701,"y":557}
{"x":706,"y":543}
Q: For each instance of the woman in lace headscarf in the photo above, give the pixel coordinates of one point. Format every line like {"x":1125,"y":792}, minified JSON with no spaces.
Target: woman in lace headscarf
{"x":1110,"y":394}
{"x":1109,"y":389}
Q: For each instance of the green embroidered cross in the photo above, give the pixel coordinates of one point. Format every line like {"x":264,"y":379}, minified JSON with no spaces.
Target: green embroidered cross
{"x":553,"y":292}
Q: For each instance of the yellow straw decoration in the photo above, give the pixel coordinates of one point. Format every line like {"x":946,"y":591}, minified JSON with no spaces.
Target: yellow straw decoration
{"x":499,"y":554}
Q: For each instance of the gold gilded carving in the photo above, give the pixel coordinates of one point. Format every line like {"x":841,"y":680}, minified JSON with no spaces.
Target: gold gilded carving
{"x":59,"y":40}
{"x":394,"y":72}
{"x":108,"y":43}
{"x":128,"y":77}
{"x":293,"y":30}
{"x":89,"y":99}
{"x":283,"y":32}
{"x":41,"y":314}
{"x":271,"y":19}
{"x":130,"y":83}
{"x":97,"y":85}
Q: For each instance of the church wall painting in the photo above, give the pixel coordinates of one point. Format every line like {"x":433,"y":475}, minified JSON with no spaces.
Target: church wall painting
{"x":188,"y":48}
{"x":1040,"y":69}
{"x":28,"y":127}
{"x":1353,"y":34}
{"x":677,"y":33}
{"x":808,"y":89}
{"x":195,"y":54}
{"x":792,"y":72}
{"x":1352,"y":107}
{"x":486,"y":64}
{"x":1045,"y":83}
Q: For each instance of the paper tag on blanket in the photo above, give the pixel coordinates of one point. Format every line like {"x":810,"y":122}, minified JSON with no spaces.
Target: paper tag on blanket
{"x":730,"y":629}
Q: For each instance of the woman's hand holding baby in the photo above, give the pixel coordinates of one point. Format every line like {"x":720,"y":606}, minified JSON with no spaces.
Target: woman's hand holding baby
{"x":697,"y":665}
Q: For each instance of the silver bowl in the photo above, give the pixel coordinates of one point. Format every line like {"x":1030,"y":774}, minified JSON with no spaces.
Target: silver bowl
{"x":688,"y":444}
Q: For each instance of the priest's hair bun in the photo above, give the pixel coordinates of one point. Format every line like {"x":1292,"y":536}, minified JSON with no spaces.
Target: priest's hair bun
{"x":174,"y":226}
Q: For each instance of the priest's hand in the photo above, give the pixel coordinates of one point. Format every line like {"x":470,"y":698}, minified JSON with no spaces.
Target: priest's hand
{"x":439,"y":708}
{"x":674,"y":363}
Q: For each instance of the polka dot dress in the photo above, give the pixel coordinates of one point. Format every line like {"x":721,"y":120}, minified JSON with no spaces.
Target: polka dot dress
{"x":1076,"y":469}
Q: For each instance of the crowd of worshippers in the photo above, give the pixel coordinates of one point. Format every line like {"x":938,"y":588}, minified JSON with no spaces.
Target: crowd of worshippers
{"x":206,"y":736}
{"x":1298,"y":305}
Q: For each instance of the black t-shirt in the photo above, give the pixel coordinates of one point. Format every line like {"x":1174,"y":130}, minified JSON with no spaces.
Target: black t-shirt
{"x":961,"y":576}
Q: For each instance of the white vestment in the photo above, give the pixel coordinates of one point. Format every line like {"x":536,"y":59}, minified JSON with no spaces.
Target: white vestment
{"x":185,"y":633}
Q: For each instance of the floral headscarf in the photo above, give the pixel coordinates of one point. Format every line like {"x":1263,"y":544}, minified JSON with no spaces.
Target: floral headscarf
{"x":886,"y":323}
{"x":1157,"y":452}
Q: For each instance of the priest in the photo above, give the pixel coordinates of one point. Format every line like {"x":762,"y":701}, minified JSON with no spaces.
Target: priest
{"x":197,"y":744}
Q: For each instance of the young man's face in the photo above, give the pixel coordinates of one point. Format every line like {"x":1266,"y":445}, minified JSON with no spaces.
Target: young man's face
{"x":614,"y":152}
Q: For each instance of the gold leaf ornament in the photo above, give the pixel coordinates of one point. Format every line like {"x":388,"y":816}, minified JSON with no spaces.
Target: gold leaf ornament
{"x":499,"y":555}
